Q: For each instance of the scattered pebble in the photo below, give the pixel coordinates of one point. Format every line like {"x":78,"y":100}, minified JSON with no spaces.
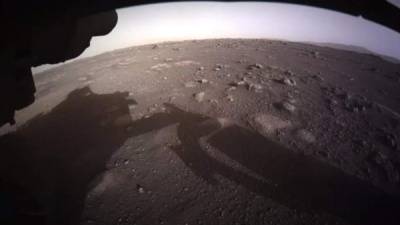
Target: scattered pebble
{"x":289,"y":82}
{"x":231,"y":88}
{"x":317,"y":77}
{"x":218,"y":67}
{"x":132,"y":107}
{"x":199,"y":97}
{"x":230,"y":98}
{"x":140,"y":189}
{"x":213,"y":101}
{"x":254,"y":87}
{"x":190,"y":84}
{"x":286,"y":106}
{"x":202,"y":81}
{"x":255,"y":66}
{"x":160,"y":66}
{"x":315,"y":54}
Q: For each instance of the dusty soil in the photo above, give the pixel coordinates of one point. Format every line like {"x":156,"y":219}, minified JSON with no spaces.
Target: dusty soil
{"x":208,"y":132}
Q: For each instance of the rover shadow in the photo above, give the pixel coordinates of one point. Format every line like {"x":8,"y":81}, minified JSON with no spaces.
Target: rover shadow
{"x":297,"y":181}
{"x":47,"y":165}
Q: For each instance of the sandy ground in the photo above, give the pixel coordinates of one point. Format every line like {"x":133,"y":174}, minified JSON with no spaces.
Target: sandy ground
{"x":208,"y":132}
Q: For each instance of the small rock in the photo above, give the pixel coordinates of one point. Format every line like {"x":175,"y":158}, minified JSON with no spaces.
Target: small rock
{"x":315,"y":54}
{"x":291,"y":100}
{"x":160,"y":66}
{"x":202,"y":81}
{"x":287,"y":106}
{"x":248,"y":73}
{"x":230,"y":98}
{"x":255,"y":66}
{"x":201,"y":68}
{"x":132,"y":107}
{"x":255,"y":87}
{"x":155,"y":46}
{"x":289,"y":82}
{"x":268,"y":124}
{"x":306,"y":136}
{"x":169,"y":60}
{"x":213,"y":101}
{"x":190,"y":84}
{"x":140,"y":189}
{"x":317,"y":77}
{"x":238,"y":83}
{"x":199,"y":97}
{"x":218,"y":67}
{"x":231,"y":88}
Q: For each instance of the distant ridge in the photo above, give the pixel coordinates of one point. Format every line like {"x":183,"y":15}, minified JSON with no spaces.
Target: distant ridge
{"x":356,"y":49}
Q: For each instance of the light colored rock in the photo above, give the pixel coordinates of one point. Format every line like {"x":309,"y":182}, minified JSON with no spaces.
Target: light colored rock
{"x":289,"y":82}
{"x":199,"y":97}
{"x":268,"y":125}
{"x":230,"y":98}
{"x":140,"y":189}
{"x":160,"y":66}
{"x":190,"y":84}
{"x":254,"y":87}
{"x":231,"y":88}
{"x":186,"y":63}
{"x":255,"y":66}
{"x":288,"y":106}
{"x":202,"y":81}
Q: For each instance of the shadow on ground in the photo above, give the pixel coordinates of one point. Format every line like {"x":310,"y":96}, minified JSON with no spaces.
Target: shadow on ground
{"x":297,"y":181}
{"x":47,"y":165}
{"x":56,"y":156}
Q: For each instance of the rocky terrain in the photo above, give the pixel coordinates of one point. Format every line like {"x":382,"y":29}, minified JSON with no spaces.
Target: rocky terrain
{"x":208,"y":132}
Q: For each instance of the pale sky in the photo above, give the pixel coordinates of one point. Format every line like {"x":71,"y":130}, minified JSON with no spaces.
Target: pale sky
{"x":153,"y":23}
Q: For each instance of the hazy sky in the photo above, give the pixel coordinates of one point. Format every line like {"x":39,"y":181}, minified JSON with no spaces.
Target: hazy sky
{"x":200,"y":20}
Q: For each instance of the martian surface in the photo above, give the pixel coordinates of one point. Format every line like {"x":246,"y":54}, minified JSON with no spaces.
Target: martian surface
{"x":227,"y":131}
